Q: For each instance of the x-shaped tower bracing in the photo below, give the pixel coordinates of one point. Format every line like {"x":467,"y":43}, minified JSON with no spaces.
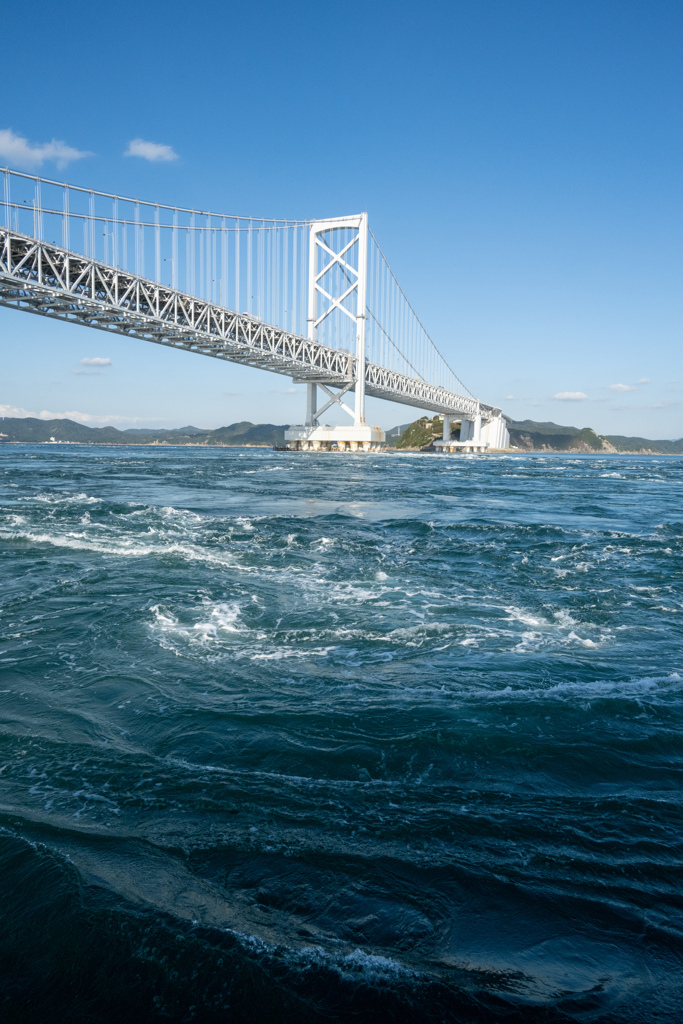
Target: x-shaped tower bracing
{"x":355,"y":278}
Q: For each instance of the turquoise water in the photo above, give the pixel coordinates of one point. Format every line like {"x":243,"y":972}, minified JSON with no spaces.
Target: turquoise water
{"x":340,"y":737}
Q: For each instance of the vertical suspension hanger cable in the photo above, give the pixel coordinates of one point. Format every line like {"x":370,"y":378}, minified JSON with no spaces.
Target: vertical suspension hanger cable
{"x":303,"y":307}
{"x":174,"y":252}
{"x":8,"y":221}
{"x":193,"y":254}
{"x":224,"y":264}
{"x":91,"y":213}
{"x":137,"y":238}
{"x":250,"y":289}
{"x":238,"y":307}
{"x":277,"y":280}
{"x":35,"y":207}
{"x":115,"y":231}
{"x":271,"y":276}
{"x":215,"y":280}
{"x":215,"y":276}
{"x":202,"y":272}
{"x":209,"y":260}
{"x":295,"y":267}
{"x":157,"y":246}
{"x":286,"y":303}
{"x":65,"y":218}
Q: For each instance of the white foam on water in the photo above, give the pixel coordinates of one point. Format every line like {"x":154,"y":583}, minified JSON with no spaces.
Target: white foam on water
{"x":351,"y":592}
{"x":123,"y":547}
{"x":638,"y":688}
{"x":184,"y":515}
{"x":520,"y":615}
{"x":372,"y":967}
{"x":223,"y":618}
{"x":563,"y":618}
{"x":163,"y":617}
{"x":585,"y":642}
{"x":62,"y":499}
{"x":281,"y":653}
{"x":419,"y":631}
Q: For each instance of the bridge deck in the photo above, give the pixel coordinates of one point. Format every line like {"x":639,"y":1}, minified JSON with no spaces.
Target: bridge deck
{"x":43,"y":278}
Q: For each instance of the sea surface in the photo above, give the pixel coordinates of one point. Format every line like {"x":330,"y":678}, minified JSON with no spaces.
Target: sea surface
{"x":298,"y":738}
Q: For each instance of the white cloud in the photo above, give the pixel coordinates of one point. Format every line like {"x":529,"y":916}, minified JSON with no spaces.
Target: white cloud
{"x":19,"y":152}
{"x":622,"y":387}
{"x":97,"y":361}
{"x":81,"y":417}
{"x":571,"y":396}
{"x":153,"y":151}
{"x":644,"y":380}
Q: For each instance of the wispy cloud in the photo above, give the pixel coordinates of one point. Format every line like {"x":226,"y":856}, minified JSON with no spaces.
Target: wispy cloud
{"x":19,"y":152}
{"x":98,"y":362}
{"x":571,"y":396}
{"x":630,"y":387}
{"x":155,"y":152}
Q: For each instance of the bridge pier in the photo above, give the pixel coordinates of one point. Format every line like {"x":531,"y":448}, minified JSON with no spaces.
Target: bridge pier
{"x":475,"y":436}
{"x":318,"y":438}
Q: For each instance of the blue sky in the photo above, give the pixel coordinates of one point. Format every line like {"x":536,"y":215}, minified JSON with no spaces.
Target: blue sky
{"x":520,"y":161}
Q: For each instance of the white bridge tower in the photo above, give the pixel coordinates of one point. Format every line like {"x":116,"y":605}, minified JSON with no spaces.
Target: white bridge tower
{"x":337,"y":290}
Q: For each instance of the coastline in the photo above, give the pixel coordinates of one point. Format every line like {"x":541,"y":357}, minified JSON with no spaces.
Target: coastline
{"x":386,"y":451}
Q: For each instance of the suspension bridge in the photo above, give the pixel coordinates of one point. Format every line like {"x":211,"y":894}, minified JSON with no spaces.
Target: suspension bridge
{"x":314,"y":300}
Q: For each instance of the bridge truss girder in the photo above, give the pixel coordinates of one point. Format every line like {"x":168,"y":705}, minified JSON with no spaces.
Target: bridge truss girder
{"x":43,"y":278}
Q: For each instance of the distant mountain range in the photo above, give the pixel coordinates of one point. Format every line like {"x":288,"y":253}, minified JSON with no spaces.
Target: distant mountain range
{"x":527,"y":435}
{"x":244,"y":433}
{"x":533,"y":436}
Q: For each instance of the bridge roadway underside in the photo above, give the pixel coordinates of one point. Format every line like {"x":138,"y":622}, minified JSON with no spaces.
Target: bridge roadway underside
{"x":43,"y":278}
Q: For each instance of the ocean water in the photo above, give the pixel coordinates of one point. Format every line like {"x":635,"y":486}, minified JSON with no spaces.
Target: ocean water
{"x":306,"y":738}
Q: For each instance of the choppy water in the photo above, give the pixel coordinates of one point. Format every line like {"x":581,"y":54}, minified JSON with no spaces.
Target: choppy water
{"x":299,"y":738}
